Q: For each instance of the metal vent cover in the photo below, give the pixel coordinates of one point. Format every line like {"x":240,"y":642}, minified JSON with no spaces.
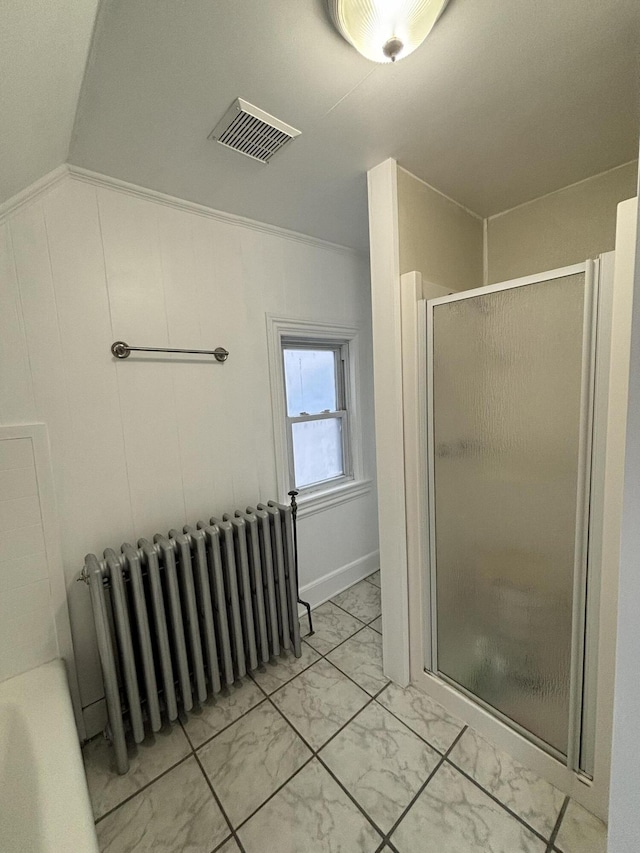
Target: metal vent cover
{"x":252,"y":131}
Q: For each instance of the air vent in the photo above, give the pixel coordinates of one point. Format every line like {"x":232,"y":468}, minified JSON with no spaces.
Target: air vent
{"x":253,"y":132}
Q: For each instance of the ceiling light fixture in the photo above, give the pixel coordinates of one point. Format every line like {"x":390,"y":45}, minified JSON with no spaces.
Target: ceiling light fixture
{"x":385,"y":30}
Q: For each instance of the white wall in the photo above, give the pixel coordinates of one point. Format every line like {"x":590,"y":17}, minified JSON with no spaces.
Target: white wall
{"x":563,"y":228}
{"x":624,"y":828}
{"x":146,"y":444}
{"x":437,"y":236}
{"x":27,"y":627}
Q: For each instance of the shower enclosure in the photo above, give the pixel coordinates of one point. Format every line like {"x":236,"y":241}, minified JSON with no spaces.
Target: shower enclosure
{"x":510,"y":379}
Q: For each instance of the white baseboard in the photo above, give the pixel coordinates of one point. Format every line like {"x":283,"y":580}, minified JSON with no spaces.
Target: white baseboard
{"x":328,"y":586}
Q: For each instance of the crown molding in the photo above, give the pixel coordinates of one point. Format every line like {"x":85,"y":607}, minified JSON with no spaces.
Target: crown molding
{"x":76,"y":173}
{"x":32,"y":192}
{"x":99,"y":180}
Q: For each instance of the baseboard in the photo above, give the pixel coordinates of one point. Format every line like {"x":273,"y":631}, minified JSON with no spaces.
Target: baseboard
{"x":328,"y":586}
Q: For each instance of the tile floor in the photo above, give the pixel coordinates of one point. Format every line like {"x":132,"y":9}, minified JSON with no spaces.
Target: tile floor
{"x":321,"y":754}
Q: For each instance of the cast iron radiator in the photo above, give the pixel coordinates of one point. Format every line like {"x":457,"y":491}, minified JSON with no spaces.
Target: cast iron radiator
{"x":179,"y":618}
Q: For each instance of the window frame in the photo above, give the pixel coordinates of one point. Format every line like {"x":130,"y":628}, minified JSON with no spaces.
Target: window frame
{"x":291,"y":333}
{"x":341,"y":412}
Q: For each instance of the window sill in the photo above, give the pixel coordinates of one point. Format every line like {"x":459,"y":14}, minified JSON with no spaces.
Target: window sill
{"x":330,"y":498}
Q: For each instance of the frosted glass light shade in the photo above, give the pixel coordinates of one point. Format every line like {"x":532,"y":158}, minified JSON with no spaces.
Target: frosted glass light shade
{"x":385,"y":30}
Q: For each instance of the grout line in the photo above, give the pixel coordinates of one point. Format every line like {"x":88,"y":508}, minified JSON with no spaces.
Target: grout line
{"x":224,"y":728}
{"x":349,"y":794}
{"x":143,"y":787}
{"x":423,"y":786}
{"x":316,"y":752}
{"x":267,"y":698}
{"x":417,"y":734}
{"x":220,"y":806}
{"x":325,"y":658}
{"x":295,"y":675}
{"x":496,"y":800}
{"x":316,"y":755}
{"x":277,"y":791}
{"x":556,"y":828}
{"x":331,"y":601}
{"x":359,"y":686}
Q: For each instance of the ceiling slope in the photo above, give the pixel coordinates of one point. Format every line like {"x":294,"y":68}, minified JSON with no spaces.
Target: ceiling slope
{"x":43,"y":52}
{"x":505,"y":101}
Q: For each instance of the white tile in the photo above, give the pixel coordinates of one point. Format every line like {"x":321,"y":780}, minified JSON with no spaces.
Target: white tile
{"x":426,"y":717}
{"x":19,"y":512}
{"x":381,"y":762}
{"x":311,"y":814}
{"x":360,"y":657}
{"x":221,"y":710}
{"x":175,"y":814}
{"x":452,"y":814}
{"x":331,"y":626}
{"x":147,"y":761}
{"x":251,"y":759}
{"x":16,"y":453}
{"x":533,"y":799}
{"x":18,"y":483}
{"x":319,"y":701}
{"x":377,"y":624}
{"x":279,"y":670}
{"x":361,"y":600}
{"x":581,"y":832}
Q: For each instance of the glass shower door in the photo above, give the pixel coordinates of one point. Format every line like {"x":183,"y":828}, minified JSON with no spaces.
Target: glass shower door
{"x":509,"y":424}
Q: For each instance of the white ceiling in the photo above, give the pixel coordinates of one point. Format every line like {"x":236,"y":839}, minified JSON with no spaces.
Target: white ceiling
{"x":43,"y":51}
{"x":505,"y":101}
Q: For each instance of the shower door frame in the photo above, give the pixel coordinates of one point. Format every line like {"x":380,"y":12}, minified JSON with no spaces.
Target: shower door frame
{"x":592,"y":793}
{"x":590,"y":271}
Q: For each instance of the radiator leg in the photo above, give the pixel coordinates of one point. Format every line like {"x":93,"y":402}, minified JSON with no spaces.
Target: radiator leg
{"x":294,"y":516}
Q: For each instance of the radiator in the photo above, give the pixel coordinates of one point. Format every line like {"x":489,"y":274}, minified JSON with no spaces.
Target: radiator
{"x":180,"y":618}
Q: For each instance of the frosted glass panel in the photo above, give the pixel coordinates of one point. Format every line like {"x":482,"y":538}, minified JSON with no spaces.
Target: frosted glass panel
{"x":507,"y":409}
{"x":310,"y":379}
{"x":317,"y":450}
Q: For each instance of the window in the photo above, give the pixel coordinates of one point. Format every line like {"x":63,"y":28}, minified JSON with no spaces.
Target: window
{"x":314,"y":381}
{"x":317,"y":419}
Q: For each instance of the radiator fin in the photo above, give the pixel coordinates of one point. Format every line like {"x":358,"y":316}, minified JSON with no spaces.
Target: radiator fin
{"x":179,"y":618}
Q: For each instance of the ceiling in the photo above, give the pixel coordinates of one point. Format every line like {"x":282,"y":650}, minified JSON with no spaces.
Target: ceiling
{"x":506,"y":100}
{"x":43,"y":52}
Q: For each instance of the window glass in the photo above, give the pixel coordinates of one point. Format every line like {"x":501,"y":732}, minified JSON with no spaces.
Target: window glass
{"x":317,"y":451}
{"x":310,"y":379}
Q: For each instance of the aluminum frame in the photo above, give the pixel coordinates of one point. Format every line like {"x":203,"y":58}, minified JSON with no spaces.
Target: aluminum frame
{"x":590,"y":269}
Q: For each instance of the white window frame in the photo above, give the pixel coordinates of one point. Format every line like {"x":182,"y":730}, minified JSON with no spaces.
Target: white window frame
{"x":286,"y":331}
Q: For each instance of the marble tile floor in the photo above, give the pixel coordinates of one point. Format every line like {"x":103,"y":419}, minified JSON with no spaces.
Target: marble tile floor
{"x":322,"y":755}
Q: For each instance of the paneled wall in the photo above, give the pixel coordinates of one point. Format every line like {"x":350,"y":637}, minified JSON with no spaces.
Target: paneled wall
{"x":27,"y":630}
{"x":145,"y":444}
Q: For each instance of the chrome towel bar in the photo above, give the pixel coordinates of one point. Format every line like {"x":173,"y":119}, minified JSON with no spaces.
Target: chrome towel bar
{"x":122,"y":350}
